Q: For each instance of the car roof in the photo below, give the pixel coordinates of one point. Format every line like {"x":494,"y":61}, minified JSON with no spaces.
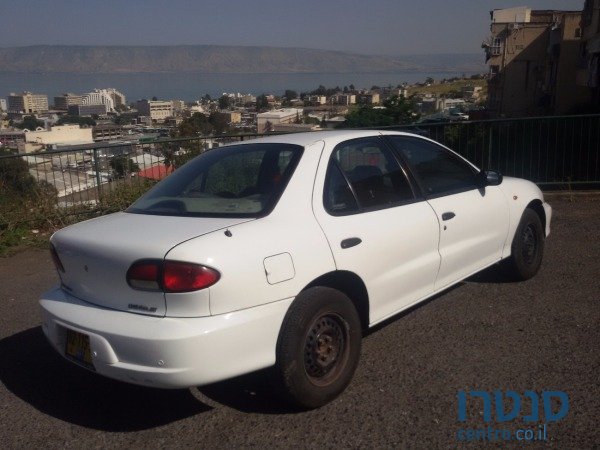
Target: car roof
{"x":308,"y":138}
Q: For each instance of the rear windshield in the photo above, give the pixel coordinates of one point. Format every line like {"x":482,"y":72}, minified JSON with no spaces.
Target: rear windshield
{"x":235,"y":181}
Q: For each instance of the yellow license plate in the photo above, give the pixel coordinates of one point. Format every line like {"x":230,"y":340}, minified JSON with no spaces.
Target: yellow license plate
{"x":78,"y":348}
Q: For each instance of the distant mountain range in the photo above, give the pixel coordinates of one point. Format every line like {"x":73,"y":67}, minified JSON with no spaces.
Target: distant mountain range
{"x":219,"y":59}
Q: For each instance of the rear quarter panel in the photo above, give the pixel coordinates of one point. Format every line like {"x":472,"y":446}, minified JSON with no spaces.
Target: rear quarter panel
{"x":290,"y":228}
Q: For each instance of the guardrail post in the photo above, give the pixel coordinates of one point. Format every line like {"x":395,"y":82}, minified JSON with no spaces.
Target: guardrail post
{"x":97,"y":170}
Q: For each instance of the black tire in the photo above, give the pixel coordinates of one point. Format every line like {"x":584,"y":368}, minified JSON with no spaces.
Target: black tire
{"x":527,"y":247}
{"x":318,"y":347}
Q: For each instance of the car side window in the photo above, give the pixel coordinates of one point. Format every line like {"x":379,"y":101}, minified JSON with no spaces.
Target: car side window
{"x":439,"y":170}
{"x":375,"y":177}
{"x":339,"y":198}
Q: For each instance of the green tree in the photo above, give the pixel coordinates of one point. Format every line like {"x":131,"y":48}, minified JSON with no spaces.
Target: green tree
{"x":219,"y":122}
{"x":261,"y":102}
{"x":195,"y":125}
{"x":398,"y":110}
{"x":290,"y":95}
{"x":30,"y":123}
{"x":15,"y":176}
{"x":366,"y":116}
{"x":321,"y":90}
{"x":123,"y":166}
{"x":224,"y":102}
{"x":124,"y":119}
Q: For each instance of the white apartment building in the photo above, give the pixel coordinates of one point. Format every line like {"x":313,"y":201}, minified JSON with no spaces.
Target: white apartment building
{"x":99,"y":97}
{"x":344,"y":99}
{"x":27,"y":103}
{"x":118,"y":97}
{"x":317,"y":99}
{"x":66,"y":100}
{"x":57,"y":136}
{"x":267,"y":120}
{"x":157,"y":110}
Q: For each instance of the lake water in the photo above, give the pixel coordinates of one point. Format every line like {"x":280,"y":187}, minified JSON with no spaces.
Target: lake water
{"x":189,"y":87}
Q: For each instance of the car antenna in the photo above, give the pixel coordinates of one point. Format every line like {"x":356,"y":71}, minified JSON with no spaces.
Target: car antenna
{"x":228,"y":233}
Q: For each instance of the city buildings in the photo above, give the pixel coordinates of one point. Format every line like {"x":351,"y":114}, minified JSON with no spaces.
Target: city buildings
{"x":55,"y":137}
{"x":316,"y":100}
{"x":88,"y":110}
{"x":99,"y":97}
{"x":232,"y":117}
{"x":27,"y":103}
{"x":118,"y":98}
{"x":532,"y":57}
{"x":267,"y":120}
{"x":344,"y":99}
{"x":157,"y":110}
{"x":11,"y":139}
{"x":64,"y":101}
{"x":368,"y":98}
{"x":588,"y":73}
{"x":106,"y":132}
{"x":471,"y":93}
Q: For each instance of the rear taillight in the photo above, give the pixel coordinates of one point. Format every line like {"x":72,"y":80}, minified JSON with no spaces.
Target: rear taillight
{"x":57,"y":262}
{"x":185,"y":277}
{"x":145,"y":275}
{"x":170,"y":276}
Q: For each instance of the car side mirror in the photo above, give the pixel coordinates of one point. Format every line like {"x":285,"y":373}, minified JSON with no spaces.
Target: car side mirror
{"x":490,"y":177}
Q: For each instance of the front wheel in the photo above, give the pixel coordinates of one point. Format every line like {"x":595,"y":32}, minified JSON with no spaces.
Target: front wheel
{"x":318,"y":347}
{"x":527,"y":247}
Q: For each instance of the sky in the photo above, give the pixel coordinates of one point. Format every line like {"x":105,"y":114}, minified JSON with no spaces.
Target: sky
{"x":384,"y":27}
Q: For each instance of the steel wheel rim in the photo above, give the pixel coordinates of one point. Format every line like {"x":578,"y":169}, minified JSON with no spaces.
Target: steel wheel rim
{"x":326,"y":348}
{"x":529,"y":244}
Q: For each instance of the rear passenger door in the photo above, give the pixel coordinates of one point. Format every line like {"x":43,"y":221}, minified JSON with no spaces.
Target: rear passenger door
{"x":376,"y":225}
{"x":473,"y":220}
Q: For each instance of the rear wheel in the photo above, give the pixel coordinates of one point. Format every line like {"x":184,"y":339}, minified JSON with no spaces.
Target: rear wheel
{"x":318,"y":347}
{"x":527,"y":247}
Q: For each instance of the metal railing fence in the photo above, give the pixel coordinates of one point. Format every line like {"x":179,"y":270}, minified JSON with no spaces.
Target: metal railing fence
{"x":552,"y":151}
{"x":558,"y":152}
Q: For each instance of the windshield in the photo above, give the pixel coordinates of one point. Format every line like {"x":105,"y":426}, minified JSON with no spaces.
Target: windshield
{"x":235,"y":181}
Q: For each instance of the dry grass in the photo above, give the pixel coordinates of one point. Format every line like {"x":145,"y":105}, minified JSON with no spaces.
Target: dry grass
{"x":439,"y":89}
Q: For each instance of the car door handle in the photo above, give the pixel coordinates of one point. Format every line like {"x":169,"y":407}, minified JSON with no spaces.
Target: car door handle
{"x":350,"y":242}
{"x":448,"y":215}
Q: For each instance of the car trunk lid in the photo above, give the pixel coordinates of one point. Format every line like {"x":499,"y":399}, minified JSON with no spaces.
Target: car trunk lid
{"x":96,"y":255}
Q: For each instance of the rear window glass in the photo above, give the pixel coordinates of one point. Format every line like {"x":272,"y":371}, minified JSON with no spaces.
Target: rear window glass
{"x":236,"y":181}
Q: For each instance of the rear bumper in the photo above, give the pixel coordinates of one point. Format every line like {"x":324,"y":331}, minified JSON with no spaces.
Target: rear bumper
{"x":166,"y":352}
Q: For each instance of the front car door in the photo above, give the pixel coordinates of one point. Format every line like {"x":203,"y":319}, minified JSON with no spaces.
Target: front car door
{"x":376,"y":224}
{"x":473,"y":220}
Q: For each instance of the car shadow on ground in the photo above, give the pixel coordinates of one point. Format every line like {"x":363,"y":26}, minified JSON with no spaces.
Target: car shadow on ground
{"x":252,"y":393}
{"x":32,"y":371}
{"x":498,"y":273}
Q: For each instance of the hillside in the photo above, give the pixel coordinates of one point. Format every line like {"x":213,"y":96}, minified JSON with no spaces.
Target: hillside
{"x":201,"y":59}
{"x":444,"y":89}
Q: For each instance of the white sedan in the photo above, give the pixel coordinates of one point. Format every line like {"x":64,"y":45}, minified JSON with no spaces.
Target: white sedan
{"x":279,"y":252}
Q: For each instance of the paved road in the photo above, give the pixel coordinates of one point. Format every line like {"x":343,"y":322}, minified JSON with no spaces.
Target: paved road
{"x":486,"y":334}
